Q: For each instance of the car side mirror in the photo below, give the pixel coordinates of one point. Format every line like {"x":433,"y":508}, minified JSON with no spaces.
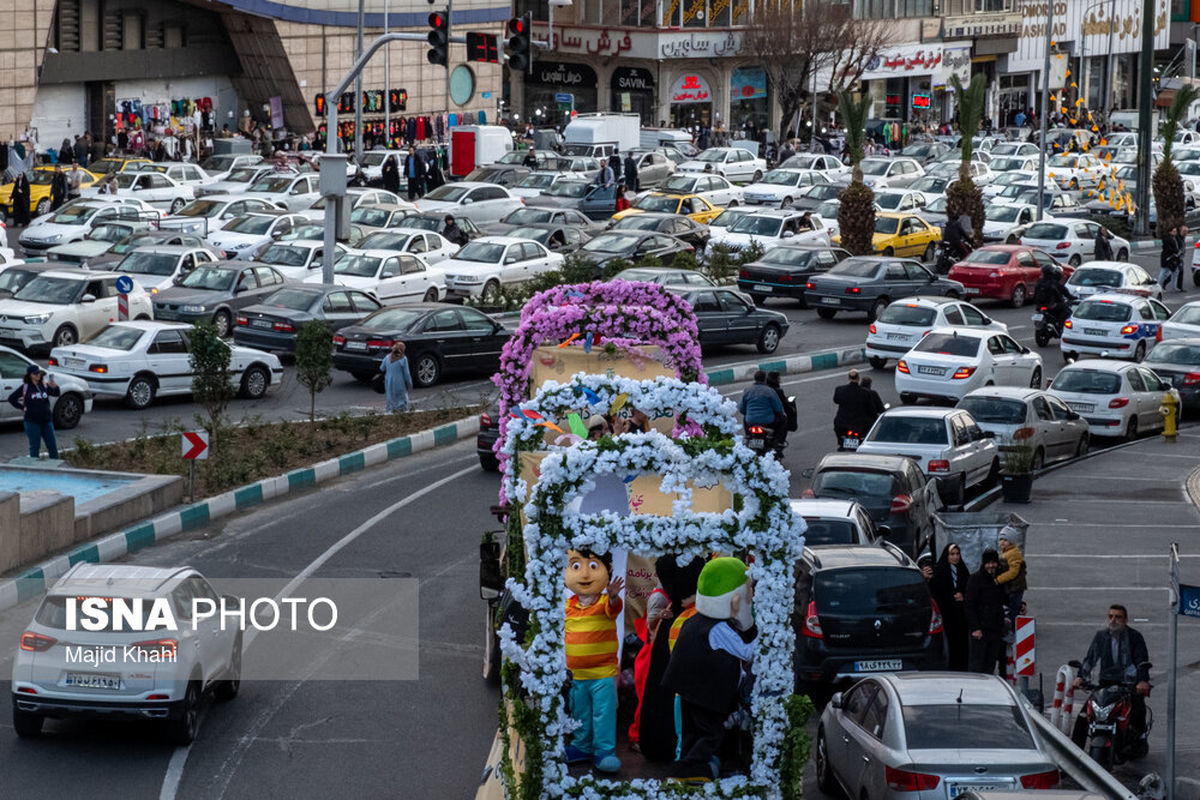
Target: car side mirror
{"x":989,"y":434}
{"x":1072,"y":415}
{"x":240,"y":289}
{"x":787,"y":235}
{"x":467,"y":201}
{"x":884,"y":531}
{"x":491,"y":580}
{"x":836,"y":700}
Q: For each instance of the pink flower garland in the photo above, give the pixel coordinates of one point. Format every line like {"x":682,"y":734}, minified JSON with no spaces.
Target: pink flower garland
{"x":626,"y":311}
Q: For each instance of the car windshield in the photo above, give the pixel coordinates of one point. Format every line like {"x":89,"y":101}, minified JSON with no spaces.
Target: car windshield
{"x":1171,"y":353}
{"x":294,"y":299}
{"x":13,"y":279}
{"x":888,"y":202}
{"x":243,"y":174}
{"x":992,"y":258}
{"x":73,"y":215}
{"x":218,"y":163}
{"x":887,"y":225}
{"x":856,"y":268}
{"x":1010,"y":178}
{"x":446,"y":193}
{"x":1063,"y":160}
{"x":56,"y":291}
{"x":285,"y":255}
{"x":536,"y":234}
{"x":148,"y":264}
{"x":358,"y":266}
{"x":397,"y":319}
{"x":201,"y":208}
{"x":994,"y":409}
{"x":728,"y":217}
{"x":999,"y":213}
{"x":829,"y":531}
{"x":252,"y":224}
{"x":909,"y":314}
{"x":1103,"y":311}
{"x":117,"y":337}
{"x":823,"y":191}
{"x":481,"y":252}
{"x":527,"y":216}
{"x":1087,"y":381}
{"x":949,"y":344}
{"x":859,"y":592}
{"x":536,"y":181}
{"x":1016,"y":190}
{"x":909,"y":430}
{"x":937,"y":206}
{"x":612,"y":243}
{"x":1189,"y":167}
{"x":712,"y":157}
{"x":216,"y":279}
{"x":828,"y":210}
{"x":781,"y":177}
{"x":1046,"y":230}
{"x":374,"y":217}
{"x":875,"y":167}
{"x":304,"y":232}
{"x":373,"y":159}
{"x":787,"y":257}
{"x":424,"y":223}
{"x":1127,"y":173}
{"x":1093,"y":276}
{"x":636,"y":222}
{"x":930,"y":183}
{"x":1188,"y":315}
{"x":133,"y":242}
{"x":108,"y":233}
{"x":1005,"y":164}
{"x":384,"y":240}
{"x":272,"y":183}
{"x":854,"y":483}
{"x":757,"y":226}
{"x":566,"y":189}
{"x":658,"y":202}
{"x":965,"y":726}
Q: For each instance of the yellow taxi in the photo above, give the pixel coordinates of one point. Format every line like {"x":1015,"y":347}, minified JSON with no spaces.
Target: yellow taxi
{"x":115,"y":164}
{"x":902,"y":235}
{"x":690,"y":205}
{"x":39,"y":188}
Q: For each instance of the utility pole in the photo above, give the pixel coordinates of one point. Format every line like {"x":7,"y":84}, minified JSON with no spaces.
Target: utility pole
{"x":358,"y":95}
{"x":1172,"y":669}
{"x":1045,"y":114}
{"x":1141,"y":223}
{"x":387,"y":82}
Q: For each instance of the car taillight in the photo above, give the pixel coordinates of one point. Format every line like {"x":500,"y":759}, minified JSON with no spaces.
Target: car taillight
{"x":812,"y":622}
{"x":808,"y":493}
{"x":1022,"y":433}
{"x":871,"y":328}
{"x":380,"y":342}
{"x":1068,"y":324}
{"x":939,"y":465}
{"x":900,"y":780}
{"x":756,"y":429}
{"x":99,"y":369}
{"x":1118,"y":402}
{"x":1191,"y":378}
{"x":935,"y":617}
{"x":1129,"y":329}
{"x":283,"y":327}
{"x":53,"y":361}
{"x":242,"y":321}
{"x":787,"y":279}
{"x":36,"y":642}
{"x":744,"y":273}
{"x":1158,"y":334}
{"x":1062,"y":246}
{"x":485,"y":420}
{"x":339,"y":339}
{"x":900,"y":504}
{"x":1041,"y":308}
{"x":963,"y":372}
{"x":853,"y":290}
{"x":1041,"y":780}
{"x":809,"y":285}
{"x":165,"y":648}
{"x":901,"y":366}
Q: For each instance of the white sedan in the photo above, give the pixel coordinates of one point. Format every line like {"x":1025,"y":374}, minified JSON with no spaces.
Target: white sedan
{"x":716,"y":189}
{"x":1033,"y":418}
{"x":1004,"y":165}
{"x":240,"y":178}
{"x":1076,"y":170}
{"x":390,"y":276}
{"x":1115,"y":398}
{"x":207,"y":214}
{"x":905,"y":322}
{"x":735,"y":163}
{"x":245,"y":236}
{"x":74,"y":399}
{"x":830,"y":166}
{"x":883,"y":173}
{"x":1116,"y":325}
{"x":474,"y":200}
{"x":1099,"y":277}
{"x":430,"y":246}
{"x":772,"y":228}
{"x":1184,"y":323}
{"x":1003,"y":223}
{"x":780,"y":187}
{"x":297,"y":191}
{"x":143,"y":360}
{"x":1017,"y":177}
{"x":153,"y":188}
{"x":481,"y":267}
{"x":1073,"y":241}
{"x":950,"y":362}
{"x":357,"y":198}
{"x":900,"y":200}
{"x":182,"y":173}
{"x":296,"y":259}
{"x":75,"y":221}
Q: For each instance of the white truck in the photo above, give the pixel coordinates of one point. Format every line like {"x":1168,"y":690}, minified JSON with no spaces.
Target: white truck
{"x":602,"y":135}
{"x":653,"y":138}
{"x":473,"y":146}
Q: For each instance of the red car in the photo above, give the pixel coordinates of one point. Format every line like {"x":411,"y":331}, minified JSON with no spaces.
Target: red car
{"x":1003,"y":272}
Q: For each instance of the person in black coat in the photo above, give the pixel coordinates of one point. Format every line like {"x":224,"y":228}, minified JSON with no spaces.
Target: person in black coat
{"x":855,"y":409}
{"x":20,"y":200}
{"x":631,"y":173}
{"x":1119,"y":648}
{"x":414,"y":171}
{"x":33,"y":398}
{"x":1104,"y":251}
{"x":984,"y":606}
{"x":390,"y":175}
{"x":58,"y":188}
{"x":948,"y":587}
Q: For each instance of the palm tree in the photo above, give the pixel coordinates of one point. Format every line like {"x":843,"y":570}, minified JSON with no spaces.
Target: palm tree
{"x":856,"y":212}
{"x":1168,"y":186}
{"x":962,"y":196}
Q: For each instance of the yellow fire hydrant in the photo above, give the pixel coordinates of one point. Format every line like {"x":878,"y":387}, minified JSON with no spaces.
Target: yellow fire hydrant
{"x":1170,"y":410}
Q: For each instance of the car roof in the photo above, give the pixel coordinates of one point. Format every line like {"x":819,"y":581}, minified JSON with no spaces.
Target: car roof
{"x":944,"y":688}
{"x":864,"y":461}
{"x":473,"y":184}
{"x":857,"y":555}
{"x":924,"y":413}
{"x":167,"y":249}
{"x":1022,"y":393}
{"x":1101,"y":364}
{"x":925,"y":300}
{"x":501,"y":239}
{"x":783,"y":213}
{"x":385,"y":206}
{"x":100,"y":579}
{"x":1115,"y":297}
{"x":1121,"y":265}
{"x":669,"y":271}
{"x":375,"y":253}
{"x":1002,"y":248}
{"x":151,"y":325}
{"x":823,"y":506}
{"x":68,"y":272}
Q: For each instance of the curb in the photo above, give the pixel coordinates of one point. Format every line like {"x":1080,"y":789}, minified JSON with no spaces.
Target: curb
{"x":31,"y":583}
{"x":806,"y":362}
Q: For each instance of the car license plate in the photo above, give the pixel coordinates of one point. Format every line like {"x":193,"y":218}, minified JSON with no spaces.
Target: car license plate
{"x":830,"y":301}
{"x":970,"y":290}
{"x":958,"y":788}
{"x":850,"y":443}
{"x":879,"y":665}
{"x":1095,"y":332}
{"x":924,"y":370}
{"x":73,"y":363}
{"x":760,"y":287}
{"x":260,"y":323}
{"x":356,"y":345}
{"x":90,"y":680}
{"x":897,"y":337}
{"x":755,"y":442}
{"x":1082,"y":407}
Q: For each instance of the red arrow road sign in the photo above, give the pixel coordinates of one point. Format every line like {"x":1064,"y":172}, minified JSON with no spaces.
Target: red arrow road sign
{"x":195,"y":445}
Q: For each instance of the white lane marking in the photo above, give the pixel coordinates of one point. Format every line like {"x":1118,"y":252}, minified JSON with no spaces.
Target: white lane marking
{"x":1162,"y":589}
{"x":1159,"y":526}
{"x":1110,"y":555}
{"x":174,"y":773}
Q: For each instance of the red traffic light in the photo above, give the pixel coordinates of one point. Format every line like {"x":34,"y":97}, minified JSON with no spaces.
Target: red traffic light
{"x":516,"y":26}
{"x":436,"y":20}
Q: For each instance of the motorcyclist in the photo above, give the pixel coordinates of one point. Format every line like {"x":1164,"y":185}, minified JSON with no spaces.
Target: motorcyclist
{"x":760,"y":404}
{"x":1051,"y":295}
{"x":1120,"y":646}
{"x":855,"y":408}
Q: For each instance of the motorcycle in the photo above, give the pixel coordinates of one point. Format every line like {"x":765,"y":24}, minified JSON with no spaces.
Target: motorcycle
{"x":1110,"y":736}
{"x":761,"y":440}
{"x":1046,"y":328}
{"x":850,"y":440}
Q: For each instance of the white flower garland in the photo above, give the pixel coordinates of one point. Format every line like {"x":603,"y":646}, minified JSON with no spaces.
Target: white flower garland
{"x":764,"y":525}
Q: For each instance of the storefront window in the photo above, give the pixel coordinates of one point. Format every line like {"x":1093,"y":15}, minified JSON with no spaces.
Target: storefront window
{"x":632,"y":90}
{"x":748,"y":101}
{"x":691,"y":101}
{"x":552,"y":80}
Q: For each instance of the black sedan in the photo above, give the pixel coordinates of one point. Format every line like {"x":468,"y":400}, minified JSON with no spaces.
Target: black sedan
{"x":272,"y":325}
{"x":436,"y":221}
{"x":683,"y":228}
{"x":632,"y":246}
{"x":726,"y":317}
{"x":784,"y":271}
{"x":439,"y":339}
{"x":556,"y":237}
{"x":869,"y":283}
{"x":1177,"y":361}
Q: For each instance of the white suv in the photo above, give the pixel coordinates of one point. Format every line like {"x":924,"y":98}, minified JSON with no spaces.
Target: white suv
{"x":61,"y":307}
{"x":153,"y":675}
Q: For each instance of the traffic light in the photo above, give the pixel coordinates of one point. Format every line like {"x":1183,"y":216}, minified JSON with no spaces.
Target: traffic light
{"x":439,"y":38}
{"x":520,"y":58}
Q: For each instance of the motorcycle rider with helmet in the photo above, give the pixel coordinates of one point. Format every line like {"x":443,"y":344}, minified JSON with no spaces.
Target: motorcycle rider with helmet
{"x":1119,"y":647}
{"x":1050,"y":294}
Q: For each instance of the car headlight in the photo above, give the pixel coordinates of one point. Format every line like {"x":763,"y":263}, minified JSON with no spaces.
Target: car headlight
{"x":241,"y":246}
{"x":53,"y":238}
{"x":192,"y":309}
{"x":38,"y":319}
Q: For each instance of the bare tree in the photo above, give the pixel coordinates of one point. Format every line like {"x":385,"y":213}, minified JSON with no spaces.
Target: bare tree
{"x":796,"y":40}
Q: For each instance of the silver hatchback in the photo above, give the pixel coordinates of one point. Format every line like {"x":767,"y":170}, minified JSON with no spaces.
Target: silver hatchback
{"x":929,"y":736}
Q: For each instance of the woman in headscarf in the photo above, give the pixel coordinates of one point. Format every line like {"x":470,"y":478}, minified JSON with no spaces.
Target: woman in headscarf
{"x":948,"y":585}
{"x":20,"y":200}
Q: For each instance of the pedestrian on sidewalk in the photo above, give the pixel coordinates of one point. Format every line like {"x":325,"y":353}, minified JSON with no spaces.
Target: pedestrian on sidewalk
{"x":1171,"y":258}
{"x":1183,"y":248}
{"x":397,"y":380}
{"x":20,"y":200}
{"x":1012,"y":577}
{"x":948,"y":587}
{"x":984,"y":605}
{"x":33,"y":398}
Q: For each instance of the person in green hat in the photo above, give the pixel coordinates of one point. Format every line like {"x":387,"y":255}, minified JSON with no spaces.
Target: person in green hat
{"x":708,"y":663}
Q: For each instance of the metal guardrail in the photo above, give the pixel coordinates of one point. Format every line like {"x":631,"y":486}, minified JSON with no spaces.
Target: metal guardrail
{"x":1075,"y":763}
